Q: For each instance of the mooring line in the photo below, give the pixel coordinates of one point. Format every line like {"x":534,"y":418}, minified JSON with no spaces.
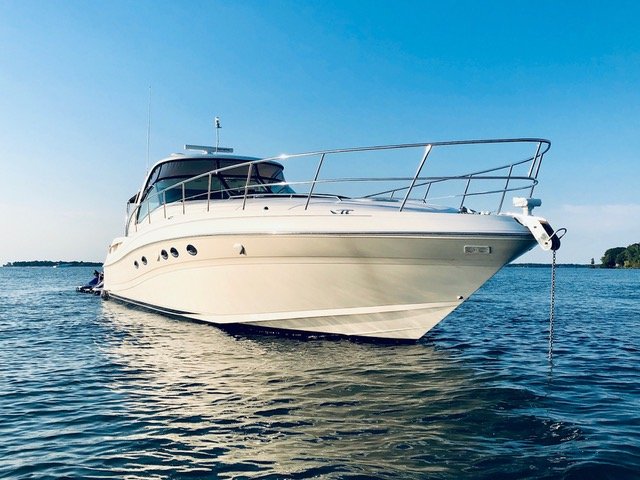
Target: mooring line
{"x":553,"y":304}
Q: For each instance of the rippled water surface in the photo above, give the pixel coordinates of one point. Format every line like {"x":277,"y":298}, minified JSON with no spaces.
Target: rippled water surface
{"x":92,"y":389}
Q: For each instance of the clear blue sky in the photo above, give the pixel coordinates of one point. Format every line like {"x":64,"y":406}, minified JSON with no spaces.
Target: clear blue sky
{"x":298,"y":76}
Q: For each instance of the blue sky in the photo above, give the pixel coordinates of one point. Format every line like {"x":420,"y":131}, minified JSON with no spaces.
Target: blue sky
{"x":299,"y":76}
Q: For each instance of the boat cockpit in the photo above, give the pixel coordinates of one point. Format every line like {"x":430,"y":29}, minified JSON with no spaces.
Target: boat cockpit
{"x":213,"y":178}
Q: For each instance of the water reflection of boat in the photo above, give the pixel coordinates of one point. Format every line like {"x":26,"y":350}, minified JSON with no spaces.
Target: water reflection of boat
{"x":264,"y":403}
{"x":227,"y":240}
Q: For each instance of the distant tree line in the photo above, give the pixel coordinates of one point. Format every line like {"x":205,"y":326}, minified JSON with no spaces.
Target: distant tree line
{"x":49,"y":263}
{"x":627,"y":257}
{"x":546,"y":265}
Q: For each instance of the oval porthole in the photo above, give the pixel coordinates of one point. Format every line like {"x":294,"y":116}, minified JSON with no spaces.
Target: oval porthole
{"x":144,"y":260}
{"x":164,"y":254}
{"x":174,"y":252}
{"x":135,"y":264}
{"x":191,"y":250}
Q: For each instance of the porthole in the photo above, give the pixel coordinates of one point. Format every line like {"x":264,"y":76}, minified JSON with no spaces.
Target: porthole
{"x":144,"y":260}
{"x":135,"y":264}
{"x":174,"y":252}
{"x":191,"y":250}
{"x":164,"y":254}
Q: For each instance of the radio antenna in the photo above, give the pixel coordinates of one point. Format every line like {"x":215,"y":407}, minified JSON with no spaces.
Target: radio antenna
{"x":218,"y":127}
{"x":148,"y":128}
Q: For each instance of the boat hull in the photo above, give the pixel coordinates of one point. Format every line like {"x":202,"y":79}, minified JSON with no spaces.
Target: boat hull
{"x":395,"y":286}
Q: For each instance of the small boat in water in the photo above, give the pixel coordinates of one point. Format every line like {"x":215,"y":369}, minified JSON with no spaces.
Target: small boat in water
{"x":225,"y":239}
{"x":94,"y":285}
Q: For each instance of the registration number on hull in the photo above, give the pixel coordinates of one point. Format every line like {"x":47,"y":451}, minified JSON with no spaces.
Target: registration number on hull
{"x":477,"y":249}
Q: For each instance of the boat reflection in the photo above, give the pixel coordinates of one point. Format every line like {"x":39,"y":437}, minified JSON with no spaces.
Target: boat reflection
{"x":272,"y":404}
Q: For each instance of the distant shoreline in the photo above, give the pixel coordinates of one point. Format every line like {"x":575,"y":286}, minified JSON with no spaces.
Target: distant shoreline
{"x":568,"y":265}
{"x":75,"y":263}
{"x":545,"y":265}
{"x":49,"y":263}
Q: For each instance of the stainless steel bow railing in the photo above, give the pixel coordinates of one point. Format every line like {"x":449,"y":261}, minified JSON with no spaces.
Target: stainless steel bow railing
{"x":252,"y":188}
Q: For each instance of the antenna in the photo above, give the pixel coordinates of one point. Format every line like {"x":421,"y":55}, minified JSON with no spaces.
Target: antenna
{"x":218,"y":127}
{"x":210,"y":150}
{"x":148,"y":129}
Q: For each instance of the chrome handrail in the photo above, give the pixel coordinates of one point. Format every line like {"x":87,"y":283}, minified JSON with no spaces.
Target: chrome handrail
{"x":542,"y":146}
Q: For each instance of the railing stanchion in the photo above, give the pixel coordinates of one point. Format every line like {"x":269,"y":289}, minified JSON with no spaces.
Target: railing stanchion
{"x":315,"y":179}
{"x":183,"y":200}
{"x":535,"y":157}
{"x":246,"y":186}
{"x":426,"y":194}
{"x":533,"y":165}
{"x":164,"y":203}
{"x":149,"y":210}
{"x":427,"y":150}
{"x":209,"y":192}
{"x":506,"y":185}
{"x":133,"y":217}
{"x":466,"y":189}
{"x":536,"y":175}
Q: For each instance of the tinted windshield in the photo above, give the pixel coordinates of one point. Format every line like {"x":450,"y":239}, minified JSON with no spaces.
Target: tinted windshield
{"x":266,"y":178}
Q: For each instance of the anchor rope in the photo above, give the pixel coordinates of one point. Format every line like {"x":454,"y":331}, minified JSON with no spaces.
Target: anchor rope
{"x":553,"y":304}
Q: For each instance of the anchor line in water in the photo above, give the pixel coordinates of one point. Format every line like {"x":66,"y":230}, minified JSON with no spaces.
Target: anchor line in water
{"x":552,"y":307}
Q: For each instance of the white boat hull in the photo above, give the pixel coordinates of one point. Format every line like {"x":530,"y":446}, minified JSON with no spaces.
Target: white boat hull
{"x":360,"y":248}
{"x":384,"y":285}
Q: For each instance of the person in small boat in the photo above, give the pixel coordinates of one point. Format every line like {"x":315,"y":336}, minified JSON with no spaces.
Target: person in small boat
{"x":96,"y":282}
{"x":98,"y":286}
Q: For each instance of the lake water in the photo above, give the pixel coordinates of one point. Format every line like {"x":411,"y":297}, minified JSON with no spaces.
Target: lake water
{"x":93,"y":389}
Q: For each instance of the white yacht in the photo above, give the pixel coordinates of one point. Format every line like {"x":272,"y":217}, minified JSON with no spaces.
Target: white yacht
{"x":225,"y":239}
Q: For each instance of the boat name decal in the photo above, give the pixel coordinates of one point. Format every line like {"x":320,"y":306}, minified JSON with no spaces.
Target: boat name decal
{"x":343,"y":211}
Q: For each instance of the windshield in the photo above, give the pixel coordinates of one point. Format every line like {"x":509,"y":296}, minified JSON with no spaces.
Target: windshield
{"x":266,"y":178}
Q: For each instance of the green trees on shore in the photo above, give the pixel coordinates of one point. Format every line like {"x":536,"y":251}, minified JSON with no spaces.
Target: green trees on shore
{"x":49,"y":263}
{"x":628,"y":257}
